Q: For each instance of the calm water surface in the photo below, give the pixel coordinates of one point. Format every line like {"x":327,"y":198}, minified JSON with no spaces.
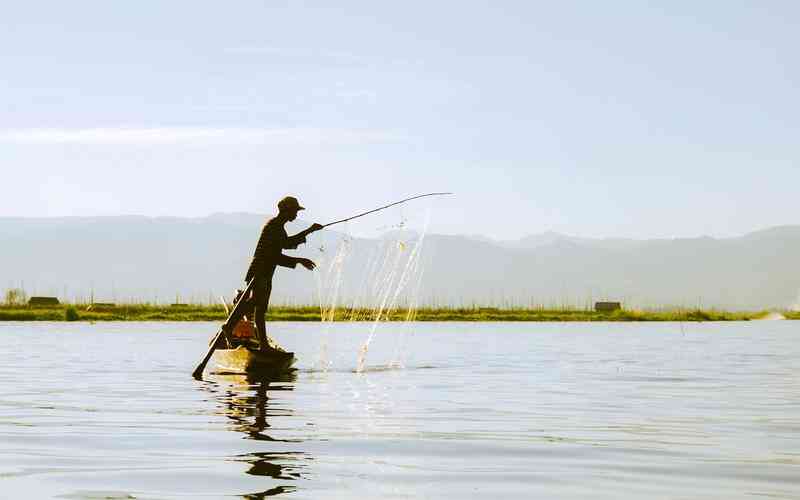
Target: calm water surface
{"x":452,"y":410}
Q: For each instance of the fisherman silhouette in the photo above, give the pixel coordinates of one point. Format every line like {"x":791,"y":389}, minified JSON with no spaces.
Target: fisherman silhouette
{"x":267,"y":257}
{"x":269,"y":254}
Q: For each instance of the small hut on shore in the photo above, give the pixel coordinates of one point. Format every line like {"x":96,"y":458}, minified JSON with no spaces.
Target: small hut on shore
{"x":43,"y":301}
{"x":607,"y":306}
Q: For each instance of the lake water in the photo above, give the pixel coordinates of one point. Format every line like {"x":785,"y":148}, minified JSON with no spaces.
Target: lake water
{"x":446,"y":410}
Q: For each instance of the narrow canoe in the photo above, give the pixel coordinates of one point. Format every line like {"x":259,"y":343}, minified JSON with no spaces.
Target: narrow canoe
{"x":242,"y":360}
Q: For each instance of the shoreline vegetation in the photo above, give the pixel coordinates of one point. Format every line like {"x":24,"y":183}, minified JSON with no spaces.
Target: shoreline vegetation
{"x":190,"y":312}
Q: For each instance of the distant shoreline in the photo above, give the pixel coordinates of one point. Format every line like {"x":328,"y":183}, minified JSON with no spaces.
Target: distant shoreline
{"x":138,"y":312}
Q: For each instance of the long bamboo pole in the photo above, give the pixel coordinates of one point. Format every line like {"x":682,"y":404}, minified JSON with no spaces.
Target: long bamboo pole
{"x":384,"y":207}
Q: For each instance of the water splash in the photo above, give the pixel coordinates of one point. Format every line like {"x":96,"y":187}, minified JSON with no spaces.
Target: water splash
{"x":390,"y":280}
{"x":394,"y":285}
{"x":329,"y":281}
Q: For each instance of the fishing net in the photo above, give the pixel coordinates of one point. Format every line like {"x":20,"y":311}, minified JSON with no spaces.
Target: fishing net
{"x":373,"y":278}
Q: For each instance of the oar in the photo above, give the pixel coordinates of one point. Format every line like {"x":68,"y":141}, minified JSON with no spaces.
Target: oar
{"x":233,"y":318}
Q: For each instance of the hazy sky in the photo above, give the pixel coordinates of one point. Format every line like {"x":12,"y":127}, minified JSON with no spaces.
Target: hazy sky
{"x":617,"y":118}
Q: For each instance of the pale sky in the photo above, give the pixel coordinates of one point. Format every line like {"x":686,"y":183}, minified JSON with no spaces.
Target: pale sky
{"x":615,"y":118}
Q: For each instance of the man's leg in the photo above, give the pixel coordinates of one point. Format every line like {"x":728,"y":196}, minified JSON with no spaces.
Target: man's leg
{"x":259,"y":299}
{"x":263,"y":291}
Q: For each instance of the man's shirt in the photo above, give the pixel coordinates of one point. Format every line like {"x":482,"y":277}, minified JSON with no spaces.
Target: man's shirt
{"x":268,"y":253}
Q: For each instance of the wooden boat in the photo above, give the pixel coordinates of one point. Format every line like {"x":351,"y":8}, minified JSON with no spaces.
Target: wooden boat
{"x":246,"y":360}
{"x":235,"y":348}
{"x":242,"y":355}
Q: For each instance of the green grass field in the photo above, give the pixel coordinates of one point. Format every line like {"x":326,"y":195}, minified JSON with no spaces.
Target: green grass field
{"x":145,"y":312}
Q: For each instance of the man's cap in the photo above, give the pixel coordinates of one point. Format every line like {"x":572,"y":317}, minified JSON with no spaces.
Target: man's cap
{"x":289,"y":203}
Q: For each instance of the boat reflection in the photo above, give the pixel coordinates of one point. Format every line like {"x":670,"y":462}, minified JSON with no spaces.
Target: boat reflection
{"x":249,"y":402}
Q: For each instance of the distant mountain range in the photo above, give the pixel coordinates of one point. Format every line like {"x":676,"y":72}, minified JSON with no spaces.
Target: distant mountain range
{"x":196,"y":259}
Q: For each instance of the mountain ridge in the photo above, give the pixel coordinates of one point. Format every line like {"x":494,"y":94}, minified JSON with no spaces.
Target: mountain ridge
{"x":198,"y":258}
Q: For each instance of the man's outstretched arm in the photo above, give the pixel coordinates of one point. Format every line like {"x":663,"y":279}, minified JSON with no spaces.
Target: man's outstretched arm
{"x":298,"y":239}
{"x":287,"y":261}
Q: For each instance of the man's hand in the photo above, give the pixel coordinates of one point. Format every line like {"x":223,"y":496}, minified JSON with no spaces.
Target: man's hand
{"x":307,"y":263}
{"x":315,"y":227}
